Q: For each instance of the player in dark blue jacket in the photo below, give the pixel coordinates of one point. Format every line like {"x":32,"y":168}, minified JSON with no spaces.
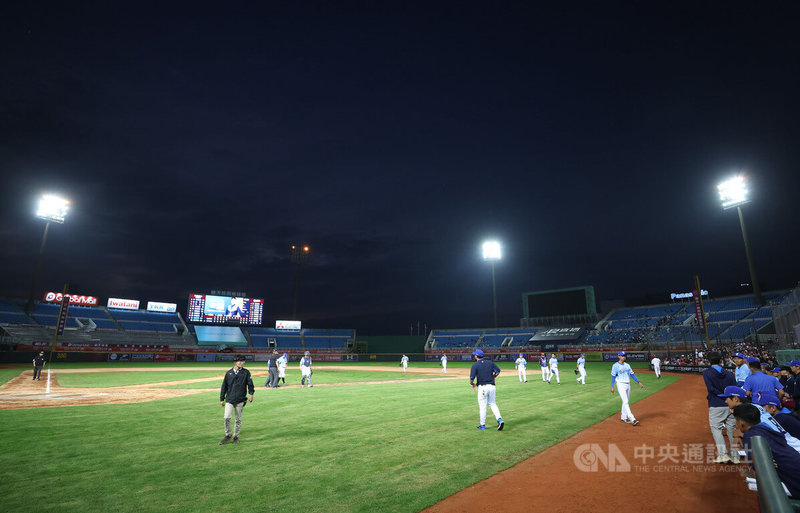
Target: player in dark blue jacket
{"x":481,"y":377}
{"x":787,"y":460}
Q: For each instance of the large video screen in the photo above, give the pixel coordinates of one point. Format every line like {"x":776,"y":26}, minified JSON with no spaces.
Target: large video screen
{"x":559,"y":303}
{"x":225,"y":310}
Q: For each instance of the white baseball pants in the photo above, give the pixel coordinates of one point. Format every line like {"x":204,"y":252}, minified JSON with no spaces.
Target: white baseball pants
{"x":624,"y":391}
{"x":486,"y":395}
{"x":405,"y":366}
{"x":522,"y":373}
{"x":657,"y":370}
{"x":444,"y":367}
{"x":582,"y":377}
{"x":554,"y":372}
{"x":545,"y":373}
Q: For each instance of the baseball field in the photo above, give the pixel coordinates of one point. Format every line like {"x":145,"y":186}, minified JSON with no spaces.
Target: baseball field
{"x":144,"y":437}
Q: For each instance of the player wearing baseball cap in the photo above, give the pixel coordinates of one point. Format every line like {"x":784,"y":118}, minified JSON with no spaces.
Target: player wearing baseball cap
{"x":784,"y":416}
{"x":582,"y":369}
{"x":545,"y":368}
{"x":484,"y":372}
{"x":305,"y":369}
{"x":521,"y":364}
{"x":621,"y":375}
{"x":742,"y":368}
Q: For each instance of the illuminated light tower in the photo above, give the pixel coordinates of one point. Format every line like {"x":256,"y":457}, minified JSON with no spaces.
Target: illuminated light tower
{"x":52,"y":209}
{"x":299,"y":255}
{"x":733,"y":193}
{"x":492,"y":253}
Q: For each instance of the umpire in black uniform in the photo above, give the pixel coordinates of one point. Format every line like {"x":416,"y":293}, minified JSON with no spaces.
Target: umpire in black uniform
{"x":272,"y":378}
{"x":232,"y":395}
{"x":38,"y":365}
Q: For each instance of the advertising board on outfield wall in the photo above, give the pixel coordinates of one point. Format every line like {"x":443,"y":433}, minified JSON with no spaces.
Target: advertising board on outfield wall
{"x":123,"y":304}
{"x":75,"y":300}
{"x":119,"y":357}
{"x":164,"y":358}
{"x":206,"y":357}
{"x":155,"y":306}
{"x":142,"y":357}
{"x":632,"y":357}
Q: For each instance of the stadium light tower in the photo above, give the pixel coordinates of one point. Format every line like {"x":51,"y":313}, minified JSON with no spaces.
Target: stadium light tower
{"x":299,"y":255}
{"x":52,"y":209}
{"x":734,"y":193}
{"x":492,"y":253}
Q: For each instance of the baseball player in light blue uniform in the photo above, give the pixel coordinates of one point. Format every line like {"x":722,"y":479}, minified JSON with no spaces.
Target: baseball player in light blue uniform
{"x":545,"y":369}
{"x":734,"y":396}
{"x":305,"y":370}
{"x":443,"y":359}
{"x":582,"y":370}
{"x":522,"y":365}
{"x":554,"y":369}
{"x":404,"y":361}
{"x":621,"y":375}
{"x":742,"y":368}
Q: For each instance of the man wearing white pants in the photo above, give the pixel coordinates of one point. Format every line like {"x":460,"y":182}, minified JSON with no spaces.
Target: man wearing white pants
{"x":582,"y":370}
{"x":621,"y":375}
{"x":305,"y":370}
{"x":545,"y":369}
{"x":656,"y":361}
{"x":554,"y":369}
{"x":522,"y":371}
{"x":404,"y":362}
{"x":484,"y":372}
{"x":443,"y":361}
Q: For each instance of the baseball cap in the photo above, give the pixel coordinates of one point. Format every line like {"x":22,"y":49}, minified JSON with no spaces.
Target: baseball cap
{"x":621,"y":353}
{"x":307,"y":353}
{"x":765,"y":398}
{"x":738,"y":355}
{"x":583,"y":354}
{"x":478,"y":352}
{"x":732,"y":391}
{"x":776,"y":369}
{"x":794,"y":363}
{"x":751,"y":359}
{"x":238,"y":358}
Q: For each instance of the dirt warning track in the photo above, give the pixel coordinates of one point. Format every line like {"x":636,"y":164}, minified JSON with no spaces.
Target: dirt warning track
{"x":551,"y":481}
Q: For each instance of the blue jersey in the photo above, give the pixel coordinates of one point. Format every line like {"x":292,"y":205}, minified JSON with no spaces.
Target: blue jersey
{"x":581,"y":361}
{"x":484,"y":371}
{"x":553,"y":363}
{"x":543,"y":361}
{"x":769,"y":421}
{"x":742,"y":372}
{"x":404,"y":359}
{"x":759,"y":382}
{"x":623,"y":373}
{"x":521,"y":362}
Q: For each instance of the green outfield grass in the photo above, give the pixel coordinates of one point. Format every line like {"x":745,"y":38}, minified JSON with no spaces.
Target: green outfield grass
{"x":116,"y":379}
{"x":394,"y":447}
{"x":322,"y":376}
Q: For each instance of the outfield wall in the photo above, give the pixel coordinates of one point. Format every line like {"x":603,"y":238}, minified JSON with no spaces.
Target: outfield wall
{"x":396,"y":345}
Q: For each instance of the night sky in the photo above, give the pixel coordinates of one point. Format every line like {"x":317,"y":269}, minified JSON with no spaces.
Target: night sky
{"x":197,"y":143}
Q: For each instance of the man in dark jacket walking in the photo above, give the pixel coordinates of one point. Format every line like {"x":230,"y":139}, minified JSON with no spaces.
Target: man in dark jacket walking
{"x":719,"y":415}
{"x":232,"y":395}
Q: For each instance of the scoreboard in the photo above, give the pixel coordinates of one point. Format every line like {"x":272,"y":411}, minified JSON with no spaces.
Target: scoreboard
{"x":224,"y":310}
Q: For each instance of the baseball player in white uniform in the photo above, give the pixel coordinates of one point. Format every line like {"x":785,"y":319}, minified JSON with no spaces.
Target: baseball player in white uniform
{"x":443,"y":360}
{"x":582,"y":369}
{"x":522,"y":365}
{"x":621,"y":375}
{"x":282,"y":361}
{"x":656,"y":361}
{"x":404,"y":362}
{"x":545,"y":368}
{"x":554,"y":369}
{"x":305,"y":369}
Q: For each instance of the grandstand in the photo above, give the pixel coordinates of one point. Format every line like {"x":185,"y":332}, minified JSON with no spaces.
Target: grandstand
{"x":490,"y":338}
{"x":99,"y":329}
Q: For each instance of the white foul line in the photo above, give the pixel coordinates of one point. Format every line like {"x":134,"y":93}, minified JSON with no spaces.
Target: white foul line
{"x":47,"y":391}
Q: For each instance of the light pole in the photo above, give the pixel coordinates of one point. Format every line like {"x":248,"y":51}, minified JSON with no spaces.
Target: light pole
{"x":52,"y":209}
{"x":492,"y":253}
{"x":733,"y":193}
{"x":299,"y":255}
